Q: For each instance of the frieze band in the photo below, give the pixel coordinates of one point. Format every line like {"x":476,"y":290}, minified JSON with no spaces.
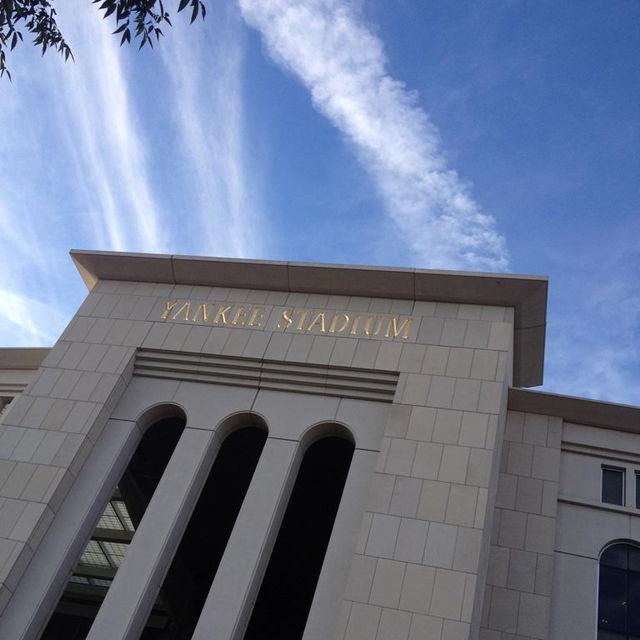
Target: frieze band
{"x":356,"y":324}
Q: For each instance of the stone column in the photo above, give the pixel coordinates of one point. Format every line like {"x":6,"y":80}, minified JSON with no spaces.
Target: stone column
{"x":126,"y":608}
{"x":237,"y":580}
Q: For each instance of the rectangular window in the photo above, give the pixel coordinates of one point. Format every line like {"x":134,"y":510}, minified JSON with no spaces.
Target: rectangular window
{"x":613,"y":485}
{"x":637,"y":490}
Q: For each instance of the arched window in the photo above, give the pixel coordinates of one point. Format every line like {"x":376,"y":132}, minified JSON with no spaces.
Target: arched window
{"x":619,"y":593}
{"x":284,"y":600}
{"x":93,"y":574}
{"x":186,"y":585}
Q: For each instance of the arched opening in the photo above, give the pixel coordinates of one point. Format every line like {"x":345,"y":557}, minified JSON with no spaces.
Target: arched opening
{"x":193,"y":568}
{"x":94,"y":572}
{"x":619,"y":593}
{"x":284,"y":600}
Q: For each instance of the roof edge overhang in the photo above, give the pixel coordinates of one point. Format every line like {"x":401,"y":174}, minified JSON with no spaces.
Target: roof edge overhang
{"x":526,"y":294}
{"x":593,"y":413}
{"x":22,"y":357}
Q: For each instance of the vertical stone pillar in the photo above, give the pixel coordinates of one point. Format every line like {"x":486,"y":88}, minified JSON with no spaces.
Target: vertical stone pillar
{"x":124,"y":611}
{"x":420,"y":566}
{"x":237,"y":580}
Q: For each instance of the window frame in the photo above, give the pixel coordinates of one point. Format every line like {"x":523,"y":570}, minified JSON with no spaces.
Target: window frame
{"x":623,"y":472}
{"x":624,"y":635}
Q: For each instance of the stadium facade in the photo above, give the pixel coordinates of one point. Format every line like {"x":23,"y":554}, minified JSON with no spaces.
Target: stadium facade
{"x":240,"y":450}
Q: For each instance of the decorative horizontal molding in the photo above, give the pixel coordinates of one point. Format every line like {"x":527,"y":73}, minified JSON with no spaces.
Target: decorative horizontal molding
{"x":601,"y":452}
{"x":343,"y":382}
{"x":602,"y":506}
{"x":11,"y":389}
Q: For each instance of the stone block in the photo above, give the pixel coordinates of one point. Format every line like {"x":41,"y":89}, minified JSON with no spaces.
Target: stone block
{"x":541,"y":532}
{"x":398,"y":422}
{"x":440,"y":546}
{"x":382,"y":536}
{"x":522,"y":571}
{"x":394,"y":625}
{"x":519,"y":459}
{"x":400,"y":456}
{"x":453,"y":467}
{"x":365,"y":354}
{"x":533,"y":616}
{"x":430,"y":330}
{"x":433,"y":500}
{"x":453,"y":332}
{"x":466,"y":395}
{"x":441,"y":392}
{"x":447,"y":426}
{"x":360,"y":578}
{"x":343,"y":352}
{"x":406,"y":496}
{"x":480,"y":467}
{"x":412,"y":536}
{"x":459,"y":363}
{"x":461,"y":509}
{"x":380,"y":492}
{"x":529,"y":495}
{"x":435,"y":360}
{"x":363,"y":622}
{"x":513,"y":529}
{"x":484,"y":365}
{"x":498,"y":569}
{"x":546,"y":463}
{"x":387,"y":583}
{"x":416,"y":389}
{"x":503,"y":612}
{"x":425,"y":627}
{"x":412,"y":358}
{"x":448,"y":593}
{"x":473,"y":429}
{"x":426,"y":463}
{"x":417,"y":588}
{"x":421,"y":423}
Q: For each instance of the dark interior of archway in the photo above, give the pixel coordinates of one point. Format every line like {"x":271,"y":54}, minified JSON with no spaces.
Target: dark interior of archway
{"x":285,"y":597}
{"x":80,"y":601}
{"x":194,"y":566}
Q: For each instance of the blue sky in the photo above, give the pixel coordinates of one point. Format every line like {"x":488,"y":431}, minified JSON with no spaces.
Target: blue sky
{"x":489,"y":136}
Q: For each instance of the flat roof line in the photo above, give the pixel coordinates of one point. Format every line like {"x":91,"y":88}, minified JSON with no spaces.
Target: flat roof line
{"x":526,"y":294}
{"x":594,"y":413}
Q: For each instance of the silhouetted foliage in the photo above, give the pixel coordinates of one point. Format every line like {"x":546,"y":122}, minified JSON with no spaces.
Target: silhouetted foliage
{"x":135,"y":19}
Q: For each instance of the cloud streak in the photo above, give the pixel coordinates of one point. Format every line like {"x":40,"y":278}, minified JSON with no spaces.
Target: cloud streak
{"x":206,"y":72}
{"x":102,"y":129}
{"x":344,"y":67}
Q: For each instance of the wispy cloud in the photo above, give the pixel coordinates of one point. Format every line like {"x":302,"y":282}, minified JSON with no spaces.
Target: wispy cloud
{"x":592,"y":347}
{"x":343,"y":64}
{"x":103,"y":130}
{"x":207,"y":78}
{"x":28,"y":320}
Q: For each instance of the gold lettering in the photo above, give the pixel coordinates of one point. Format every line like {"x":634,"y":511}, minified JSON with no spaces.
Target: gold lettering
{"x":241,"y":316}
{"x":333,"y":327}
{"x":286,"y":318}
{"x":167,"y":307}
{"x":220,"y":315}
{"x":318,"y":320}
{"x":404,"y":327}
{"x":303,"y":316}
{"x":185,"y":308}
{"x":201,"y":310}
{"x":257,"y":317}
{"x":354,"y":326}
{"x":367,"y":326}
